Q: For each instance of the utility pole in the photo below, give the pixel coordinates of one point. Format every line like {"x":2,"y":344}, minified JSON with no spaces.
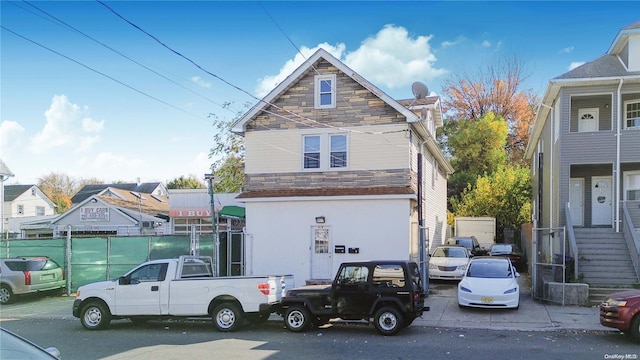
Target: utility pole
{"x":214,"y":223}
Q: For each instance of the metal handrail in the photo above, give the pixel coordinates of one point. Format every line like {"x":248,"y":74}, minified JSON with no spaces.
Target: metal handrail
{"x":572,"y":239}
{"x":632,"y":238}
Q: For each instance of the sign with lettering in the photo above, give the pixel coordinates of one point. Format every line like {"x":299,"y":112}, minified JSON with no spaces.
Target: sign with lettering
{"x":193,"y":212}
{"x":97,"y":213}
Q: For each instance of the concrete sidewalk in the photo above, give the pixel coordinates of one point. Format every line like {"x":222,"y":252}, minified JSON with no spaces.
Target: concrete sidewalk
{"x":532,"y":314}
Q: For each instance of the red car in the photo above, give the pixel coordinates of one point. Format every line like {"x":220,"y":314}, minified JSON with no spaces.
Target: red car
{"x":621,"y":311}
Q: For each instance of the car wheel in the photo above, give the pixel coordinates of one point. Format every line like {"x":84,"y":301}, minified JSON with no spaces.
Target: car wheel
{"x":6,"y":295}
{"x":95,"y":316}
{"x":388,"y":321}
{"x":297,"y":318}
{"x":634,"y":330}
{"x":227,"y":317}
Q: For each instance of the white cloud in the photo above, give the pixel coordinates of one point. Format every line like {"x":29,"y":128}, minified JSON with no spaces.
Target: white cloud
{"x":575,"y":64}
{"x":201,"y":82}
{"x":446,"y":44}
{"x":486,"y":43}
{"x":392,"y":58}
{"x":566,"y":50}
{"x":269,"y":82}
{"x":67,"y":126}
{"x":201,"y":164}
{"x":10,"y":137}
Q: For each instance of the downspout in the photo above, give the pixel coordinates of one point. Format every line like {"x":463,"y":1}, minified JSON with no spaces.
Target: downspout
{"x":551,"y":155}
{"x":617,"y":169}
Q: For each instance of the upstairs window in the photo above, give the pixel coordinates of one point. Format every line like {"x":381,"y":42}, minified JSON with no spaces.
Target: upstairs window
{"x":632,"y":114}
{"x":20,"y":209}
{"x":33,"y":191}
{"x":325,"y":151}
{"x":40,"y":210}
{"x":338,"y":151}
{"x":312,"y":152}
{"x":325,"y":91}
{"x":632,"y":185}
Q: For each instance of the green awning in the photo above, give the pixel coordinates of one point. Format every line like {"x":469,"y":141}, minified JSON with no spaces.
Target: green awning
{"x":232,"y":212}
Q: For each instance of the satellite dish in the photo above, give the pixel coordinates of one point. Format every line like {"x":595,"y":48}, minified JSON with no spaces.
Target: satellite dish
{"x":420,"y":90}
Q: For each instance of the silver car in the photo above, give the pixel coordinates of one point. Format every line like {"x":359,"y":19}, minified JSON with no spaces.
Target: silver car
{"x":25,"y":275}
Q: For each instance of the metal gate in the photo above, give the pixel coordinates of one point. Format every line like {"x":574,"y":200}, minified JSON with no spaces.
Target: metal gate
{"x":552,"y":263}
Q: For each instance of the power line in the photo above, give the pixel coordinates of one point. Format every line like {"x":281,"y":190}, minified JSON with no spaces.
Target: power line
{"x":121,"y":54}
{"x":101,"y":73}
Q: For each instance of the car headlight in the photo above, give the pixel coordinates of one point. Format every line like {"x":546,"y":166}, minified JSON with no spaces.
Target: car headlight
{"x":462,"y":288}
{"x":612,"y":302}
{"x":433,"y":266}
{"x":462,"y":267}
{"x":511,"y":291}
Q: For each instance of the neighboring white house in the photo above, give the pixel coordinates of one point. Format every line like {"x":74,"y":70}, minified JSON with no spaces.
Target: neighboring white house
{"x":336,"y":171}
{"x":24,"y":203}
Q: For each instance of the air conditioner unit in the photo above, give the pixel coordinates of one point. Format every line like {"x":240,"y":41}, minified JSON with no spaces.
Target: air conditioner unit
{"x":147,"y":224}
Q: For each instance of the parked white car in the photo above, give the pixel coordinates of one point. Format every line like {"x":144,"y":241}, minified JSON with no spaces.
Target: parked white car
{"x":448,"y":262}
{"x":489,"y":282}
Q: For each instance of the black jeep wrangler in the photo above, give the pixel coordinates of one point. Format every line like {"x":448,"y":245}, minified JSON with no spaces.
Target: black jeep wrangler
{"x":390,"y":293}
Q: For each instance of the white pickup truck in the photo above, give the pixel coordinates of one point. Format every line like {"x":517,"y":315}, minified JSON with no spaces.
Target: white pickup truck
{"x":183,"y":287}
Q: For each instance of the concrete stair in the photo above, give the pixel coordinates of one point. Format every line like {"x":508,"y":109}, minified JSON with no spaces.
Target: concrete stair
{"x":604,"y":262}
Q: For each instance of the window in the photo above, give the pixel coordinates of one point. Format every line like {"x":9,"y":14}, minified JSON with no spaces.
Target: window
{"x":388,"y":276}
{"x":312,"y":152}
{"x":338,"y":151}
{"x":632,"y":114}
{"x":632,"y":185}
{"x":325,"y":91}
{"x":39,"y":210}
{"x":325,"y":151}
{"x":33,"y":191}
{"x":20,"y":209}
{"x":353,"y":275}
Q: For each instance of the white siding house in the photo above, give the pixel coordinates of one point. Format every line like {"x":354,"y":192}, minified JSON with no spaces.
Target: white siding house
{"x":338,"y":171}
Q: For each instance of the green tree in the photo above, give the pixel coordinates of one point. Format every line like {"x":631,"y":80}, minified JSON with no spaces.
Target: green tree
{"x":476,"y":148}
{"x":229,"y":152}
{"x":505,"y":195}
{"x":182,"y":182}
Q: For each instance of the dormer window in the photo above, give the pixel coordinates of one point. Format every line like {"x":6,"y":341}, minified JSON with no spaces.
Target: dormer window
{"x":325,"y":91}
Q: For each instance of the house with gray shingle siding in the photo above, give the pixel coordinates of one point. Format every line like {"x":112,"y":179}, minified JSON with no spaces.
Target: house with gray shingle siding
{"x":336,"y":171}
{"x":585,"y":160}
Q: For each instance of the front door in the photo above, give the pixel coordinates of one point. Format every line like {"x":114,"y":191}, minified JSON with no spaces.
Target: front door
{"x":321,"y":252}
{"x":576,"y":201}
{"x":601,"y":200}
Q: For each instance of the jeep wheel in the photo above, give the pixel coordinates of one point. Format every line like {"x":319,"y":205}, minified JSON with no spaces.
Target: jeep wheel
{"x":388,"y":321}
{"x":95,"y":316}
{"x":227,"y":317}
{"x":297,"y":318}
{"x":6,"y":295}
{"x":634,"y":330}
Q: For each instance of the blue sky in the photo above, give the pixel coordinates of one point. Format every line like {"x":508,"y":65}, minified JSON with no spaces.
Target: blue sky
{"x":85,"y":93}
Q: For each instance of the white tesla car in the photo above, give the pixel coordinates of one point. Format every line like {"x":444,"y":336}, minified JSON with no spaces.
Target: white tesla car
{"x":489,"y":282}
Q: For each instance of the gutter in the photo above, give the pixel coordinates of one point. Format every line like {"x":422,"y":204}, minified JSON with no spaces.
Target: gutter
{"x":617,"y":169}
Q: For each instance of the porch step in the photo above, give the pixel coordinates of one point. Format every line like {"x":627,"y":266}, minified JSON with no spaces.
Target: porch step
{"x":604,"y":262}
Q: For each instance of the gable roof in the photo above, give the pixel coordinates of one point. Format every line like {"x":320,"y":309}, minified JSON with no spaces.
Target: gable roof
{"x":4,"y":170}
{"x":11,"y":192}
{"x":92,"y":189}
{"x":239,"y":125}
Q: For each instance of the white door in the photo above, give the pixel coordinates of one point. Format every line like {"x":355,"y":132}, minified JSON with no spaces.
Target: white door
{"x":601,"y":200}
{"x":141,"y":296}
{"x":588,"y":120}
{"x":576,"y":201}
{"x":321,"y":252}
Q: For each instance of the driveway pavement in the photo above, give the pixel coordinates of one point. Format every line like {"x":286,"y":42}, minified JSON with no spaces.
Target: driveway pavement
{"x":532,"y":314}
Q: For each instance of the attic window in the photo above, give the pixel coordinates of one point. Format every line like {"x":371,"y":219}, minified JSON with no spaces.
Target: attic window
{"x":33,"y":191}
{"x":325,"y":91}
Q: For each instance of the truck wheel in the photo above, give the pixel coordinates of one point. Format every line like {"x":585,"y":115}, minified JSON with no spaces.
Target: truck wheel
{"x":634,"y":330}
{"x":6,"y":295}
{"x":227,"y":317}
{"x":95,"y":316}
{"x":297,"y":318}
{"x":388,"y":321}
